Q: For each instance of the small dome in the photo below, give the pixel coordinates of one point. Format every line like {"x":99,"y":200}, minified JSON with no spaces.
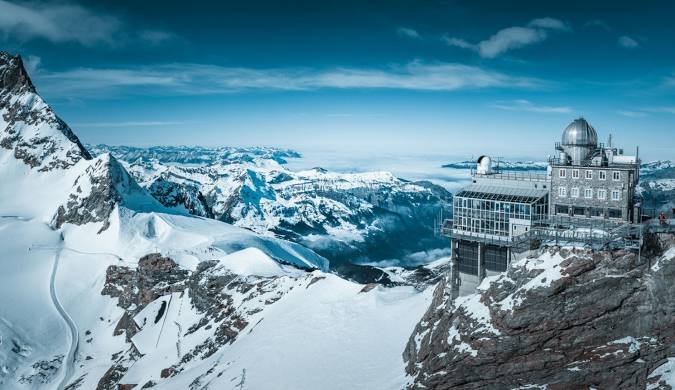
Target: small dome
{"x":579,"y":133}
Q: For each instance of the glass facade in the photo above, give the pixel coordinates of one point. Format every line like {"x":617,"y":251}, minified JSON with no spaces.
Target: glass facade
{"x":492,"y":216}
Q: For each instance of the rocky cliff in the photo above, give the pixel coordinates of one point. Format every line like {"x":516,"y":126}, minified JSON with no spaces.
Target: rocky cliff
{"x":28,"y":126}
{"x":562,"y":318}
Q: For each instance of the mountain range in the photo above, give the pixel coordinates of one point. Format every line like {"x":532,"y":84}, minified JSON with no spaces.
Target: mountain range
{"x":123,"y":272}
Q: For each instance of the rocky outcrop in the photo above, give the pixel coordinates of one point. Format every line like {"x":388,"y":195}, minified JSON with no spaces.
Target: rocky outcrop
{"x":29,"y":127}
{"x":176,"y":195}
{"x":223,"y":304}
{"x":98,"y":190}
{"x":563,"y":318}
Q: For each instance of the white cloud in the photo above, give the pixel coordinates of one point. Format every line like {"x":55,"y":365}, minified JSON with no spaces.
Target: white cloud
{"x":628,"y":42}
{"x":56,"y":22}
{"x":511,"y":37}
{"x":408,"y":32}
{"x":526,"y":105}
{"x":662,"y":109}
{"x":61,"y":22}
{"x":599,"y":23}
{"x":198,"y":79}
{"x":156,"y":37}
{"x":632,"y":114}
{"x":452,"y":41}
{"x":129,"y":124}
{"x":32,"y":63}
{"x":549,"y":23}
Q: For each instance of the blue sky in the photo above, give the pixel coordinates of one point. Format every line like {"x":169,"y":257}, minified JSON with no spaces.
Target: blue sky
{"x":438,"y":77}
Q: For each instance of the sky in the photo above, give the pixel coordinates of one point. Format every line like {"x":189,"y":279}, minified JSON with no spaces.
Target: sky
{"x":455,"y":78}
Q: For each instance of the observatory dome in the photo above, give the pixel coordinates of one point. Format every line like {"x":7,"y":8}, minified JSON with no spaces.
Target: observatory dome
{"x":579,"y":133}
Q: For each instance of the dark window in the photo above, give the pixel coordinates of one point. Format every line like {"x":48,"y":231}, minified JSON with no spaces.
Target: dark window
{"x":495,"y":258}
{"x":614,"y":213}
{"x":467,"y":257}
{"x":562,"y":209}
{"x":579,"y":211}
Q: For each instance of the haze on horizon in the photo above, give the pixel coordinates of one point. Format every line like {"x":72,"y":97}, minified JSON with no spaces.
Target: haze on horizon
{"x":439,"y":78}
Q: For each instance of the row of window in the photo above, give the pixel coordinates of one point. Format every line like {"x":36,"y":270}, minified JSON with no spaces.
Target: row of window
{"x":602,"y":175}
{"x":587,"y":211}
{"x":588,"y":193}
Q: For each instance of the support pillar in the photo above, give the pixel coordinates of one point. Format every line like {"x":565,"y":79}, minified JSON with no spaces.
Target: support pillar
{"x":481,"y":263}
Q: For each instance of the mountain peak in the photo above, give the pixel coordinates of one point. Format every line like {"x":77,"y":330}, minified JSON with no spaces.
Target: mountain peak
{"x":13,"y":75}
{"x":29,"y":128}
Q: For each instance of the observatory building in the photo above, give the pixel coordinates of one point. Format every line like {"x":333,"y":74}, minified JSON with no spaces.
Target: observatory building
{"x":501,"y":213}
{"x":591,"y":180}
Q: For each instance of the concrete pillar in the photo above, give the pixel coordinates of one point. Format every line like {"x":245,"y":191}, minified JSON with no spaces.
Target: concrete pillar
{"x":481,"y":267}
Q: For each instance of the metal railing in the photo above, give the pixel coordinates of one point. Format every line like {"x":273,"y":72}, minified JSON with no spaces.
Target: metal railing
{"x":511,"y":175}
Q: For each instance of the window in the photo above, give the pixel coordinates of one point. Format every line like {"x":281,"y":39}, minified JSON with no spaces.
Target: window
{"x":589,"y":174}
{"x":614,"y":213}
{"x":602,"y":194}
{"x":616,"y":175}
{"x":602,"y":175}
{"x":575,"y":173}
{"x":575,"y":192}
{"x":616,"y":195}
{"x":562,"y":192}
{"x":562,"y":172}
{"x":588,"y":193}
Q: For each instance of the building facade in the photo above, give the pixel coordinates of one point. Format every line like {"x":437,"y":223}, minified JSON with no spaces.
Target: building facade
{"x":590,"y":180}
{"x":488,"y":215}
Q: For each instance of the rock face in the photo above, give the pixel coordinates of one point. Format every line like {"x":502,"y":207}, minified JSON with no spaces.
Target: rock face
{"x":29,"y":127}
{"x":564,"y":318}
{"x":176,"y":195}
{"x":223,"y":304}
{"x":103,"y":185}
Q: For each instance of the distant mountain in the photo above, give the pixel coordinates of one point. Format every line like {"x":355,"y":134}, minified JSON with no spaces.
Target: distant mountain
{"x":505,"y":165}
{"x":195,"y":155}
{"x":657,"y":186}
{"x":347,"y":217}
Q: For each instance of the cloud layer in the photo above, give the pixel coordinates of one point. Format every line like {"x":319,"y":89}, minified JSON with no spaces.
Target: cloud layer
{"x":628,"y":42}
{"x":511,"y":37}
{"x":408,"y":32}
{"x":61,"y":22}
{"x":199,"y":79}
{"x":526,"y":105}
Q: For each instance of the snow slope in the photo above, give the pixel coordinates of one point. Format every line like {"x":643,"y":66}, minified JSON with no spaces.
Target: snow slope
{"x":156,"y":296}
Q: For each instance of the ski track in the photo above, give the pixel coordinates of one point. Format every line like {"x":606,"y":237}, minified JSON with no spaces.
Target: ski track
{"x":74,"y":335}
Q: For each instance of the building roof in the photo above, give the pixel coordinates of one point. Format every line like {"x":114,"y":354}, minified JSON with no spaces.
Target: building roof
{"x":579,"y":133}
{"x":502,"y":193}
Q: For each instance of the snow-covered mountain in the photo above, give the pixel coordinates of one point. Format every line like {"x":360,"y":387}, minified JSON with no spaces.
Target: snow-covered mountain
{"x":346,"y":217}
{"x":195,"y":155}
{"x":503,"y":164}
{"x":657,"y":186}
{"x":104,"y":286}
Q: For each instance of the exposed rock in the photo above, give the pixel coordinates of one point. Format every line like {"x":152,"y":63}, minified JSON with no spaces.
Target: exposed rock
{"x":563,"y":318}
{"x":171,"y":194}
{"x":222,"y":301}
{"x":98,"y":190}
{"x":29,"y":126}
